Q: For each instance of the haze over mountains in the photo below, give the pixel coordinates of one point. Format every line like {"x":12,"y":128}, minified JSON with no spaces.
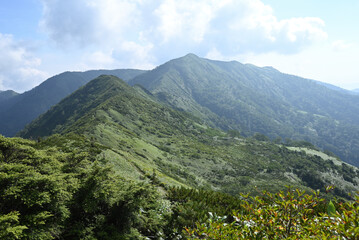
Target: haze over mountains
{"x":227,"y":95}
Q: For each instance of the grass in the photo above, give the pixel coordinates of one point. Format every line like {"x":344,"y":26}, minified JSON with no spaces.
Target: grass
{"x":317,"y":153}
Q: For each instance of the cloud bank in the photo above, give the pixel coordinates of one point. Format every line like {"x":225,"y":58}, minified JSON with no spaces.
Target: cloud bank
{"x":148,"y":32}
{"x":18,"y":67}
{"x":93,"y":34}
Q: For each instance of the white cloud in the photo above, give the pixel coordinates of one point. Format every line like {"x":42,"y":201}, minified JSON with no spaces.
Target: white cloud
{"x":166,"y":29}
{"x":184,"y":19}
{"x":142,"y":57}
{"x":18,"y":67}
{"x":319,"y":62}
{"x":250,"y":26}
{"x":100,"y":59}
{"x":340,"y":45}
{"x":215,"y":54}
{"x":86,"y":22}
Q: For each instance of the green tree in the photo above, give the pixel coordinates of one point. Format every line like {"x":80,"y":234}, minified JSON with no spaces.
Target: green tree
{"x":33,"y":190}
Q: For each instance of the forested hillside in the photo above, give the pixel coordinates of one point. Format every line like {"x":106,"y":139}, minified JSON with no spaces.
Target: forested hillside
{"x":139,"y":130}
{"x":231,"y":95}
{"x":226,"y":95}
{"x":64,"y":187}
{"x":111,"y":162}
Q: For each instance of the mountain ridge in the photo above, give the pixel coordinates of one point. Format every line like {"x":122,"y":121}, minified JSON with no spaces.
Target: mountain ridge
{"x":253,"y":99}
{"x":231,"y":95}
{"x":6,"y":95}
{"x":20,"y":110}
{"x":141,"y":136}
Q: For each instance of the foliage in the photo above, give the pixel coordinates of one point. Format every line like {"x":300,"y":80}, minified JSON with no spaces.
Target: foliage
{"x":284,"y":215}
{"x":9,"y":226}
{"x":33,"y":188}
{"x":191,"y":205}
{"x":63,"y":188}
{"x":50,"y":191}
{"x":331,"y":209}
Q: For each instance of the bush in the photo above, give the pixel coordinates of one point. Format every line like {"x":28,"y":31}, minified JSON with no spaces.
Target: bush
{"x":285,"y":215}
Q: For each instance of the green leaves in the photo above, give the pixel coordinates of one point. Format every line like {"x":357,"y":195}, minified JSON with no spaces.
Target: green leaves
{"x":10,"y":227}
{"x":285,"y":215}
{"x":60,"y":189}
{"x":33,"y":186}
{"x":331,"y":209}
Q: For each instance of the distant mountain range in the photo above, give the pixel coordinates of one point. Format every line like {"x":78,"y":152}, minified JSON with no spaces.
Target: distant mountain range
{"x":162,"y":151}
{"x":17,"y":110}
{"x":141,"y":136}
{"x":338,"y":88}
{"x":225,"y":95}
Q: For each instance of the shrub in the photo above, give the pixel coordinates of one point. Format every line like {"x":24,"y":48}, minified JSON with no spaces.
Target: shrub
{"x":285,"y":215}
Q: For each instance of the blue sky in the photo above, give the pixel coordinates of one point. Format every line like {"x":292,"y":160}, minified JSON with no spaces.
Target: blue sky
{"x":312,"y":39}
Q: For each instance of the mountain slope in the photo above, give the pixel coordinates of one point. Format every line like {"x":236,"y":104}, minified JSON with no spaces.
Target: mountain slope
{"x":6,"y":95}
{"x":231,"y":95}
{"x":145,"y":138}
{"x":23,"y":108}
{"x":333,"y":87}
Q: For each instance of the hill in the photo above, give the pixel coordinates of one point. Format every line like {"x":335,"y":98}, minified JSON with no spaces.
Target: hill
{"x":6,"y":95}
{"x":250,"y":99}
{"x":145,"y":138}
{"x":111,"y":166}
{"x":65,"y":187}
{"x":333,"y":87}
{"x":21,"y":109}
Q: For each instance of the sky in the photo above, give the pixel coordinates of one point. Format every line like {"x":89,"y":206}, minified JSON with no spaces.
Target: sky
{"x":312,"y":39}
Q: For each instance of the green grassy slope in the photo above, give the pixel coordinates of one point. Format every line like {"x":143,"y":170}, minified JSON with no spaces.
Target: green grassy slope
{"x":231,"y":95}
{"x":23,"y":108}
{"x":144,"y":137}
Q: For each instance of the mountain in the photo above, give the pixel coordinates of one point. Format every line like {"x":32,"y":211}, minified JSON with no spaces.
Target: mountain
{"x":356,"y":90}
{"x":21,"y":109}
{"x":6,"y":95}
{"x":143,"y":137}
{"x":333,"y":87}
{"x":250,"y":99}
{"x":107,"y":157}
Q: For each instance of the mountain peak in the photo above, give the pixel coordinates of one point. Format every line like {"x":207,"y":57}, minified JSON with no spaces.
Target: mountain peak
{"x":190,"y":55}
{"x":4,"y":95}
{"x":79,"y":103}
